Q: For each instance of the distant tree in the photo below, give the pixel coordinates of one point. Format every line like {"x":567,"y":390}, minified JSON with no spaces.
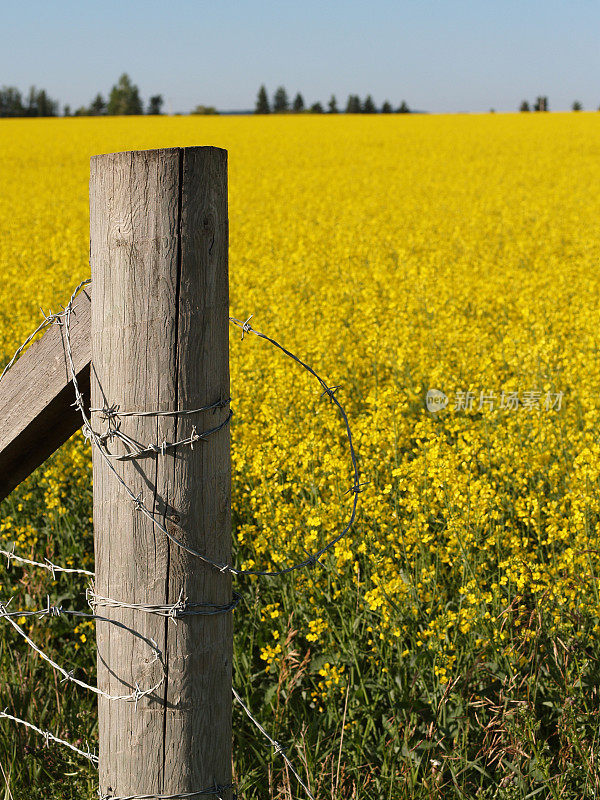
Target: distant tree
{"x":67,"y":111}
{"x":82,"y":111}
{"x":541,"y":104}
{"x":577,"y":106}
{"x":205,"y":110}
{"x":155,"y":105}
{"x":262,"y":102}
{"x":386,"y":108}
{"x":124,"y":98}
{"x":492,"y":110}
{"x":368,"y":107}
{"x":281,"y":103}
{"x":353,"y":105}
{"x":39,"y":104}
{"x":332,"y":105}
{"x":97,"y":106}
{"x":298,"y":105}
{"x":524,"y":106}
{"x":316,"y":108}
{"x":11,"y":102}
{"x":403,"y":108}
{"x":31,"y":107}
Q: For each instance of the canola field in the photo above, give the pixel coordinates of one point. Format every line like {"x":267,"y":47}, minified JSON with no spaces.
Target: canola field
{"x":449,"y":647}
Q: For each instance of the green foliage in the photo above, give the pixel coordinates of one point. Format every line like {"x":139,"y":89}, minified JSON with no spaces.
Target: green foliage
{"x":280,"y":101}
{"x":316,"y":108}
{"x":386,"y":108}
{"x":403,"y":108}
{"x":368,"y":107}
{"x":332,"y":105}
{"x":298,"y":104}
{"x":353,"y":106}
{"x":541,"y":104}
{"x":496,"y":731}
{"x":262,"y":102}
{"x":38,"y":103}
{"x":124,"y":98}
{"x":205,"y":110}
{"x":577,"y":106}
{"x":97,"y":106}
{"x":155,"y":104}
{"x":524,"y":106}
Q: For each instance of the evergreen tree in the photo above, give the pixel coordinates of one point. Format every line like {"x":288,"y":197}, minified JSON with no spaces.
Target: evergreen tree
{"x":39,"y":104}
{"x":280,"y":101}
{"x":524,"y":106}
{"x":11,"y":102}
{"x":386,"y":108}
{"x":155,"y":105}
{"x":403,"y":109}
{"x":332,"y":105}
{"x":262,"y":102}
{"x":577,"y":106}
{"x":97,"y":106}
{"x":368,"y":106}
{"x":353,"y":105}
{"x":67,"y":111}
{"x":298,"y":104}
{"x":124,"y":98}
{"x":316,"y":108}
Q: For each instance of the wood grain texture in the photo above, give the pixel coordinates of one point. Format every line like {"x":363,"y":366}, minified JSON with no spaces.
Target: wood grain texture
{"x":159,"y":256}
{"x":36,"y":397}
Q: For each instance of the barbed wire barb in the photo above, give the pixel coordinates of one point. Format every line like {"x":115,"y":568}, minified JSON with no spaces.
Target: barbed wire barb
{"x":113,"y":415}
{"x":278,"y":748}
{"x":50,"y":736}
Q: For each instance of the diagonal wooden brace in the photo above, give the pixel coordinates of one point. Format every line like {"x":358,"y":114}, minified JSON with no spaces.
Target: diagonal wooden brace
{"x":37,"y":414}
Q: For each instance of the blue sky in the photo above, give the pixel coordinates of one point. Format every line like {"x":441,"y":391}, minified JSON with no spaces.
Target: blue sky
{"x":438,"y":55}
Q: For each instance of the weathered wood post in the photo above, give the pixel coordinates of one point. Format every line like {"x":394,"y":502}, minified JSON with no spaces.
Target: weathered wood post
{"x":159,"y":259}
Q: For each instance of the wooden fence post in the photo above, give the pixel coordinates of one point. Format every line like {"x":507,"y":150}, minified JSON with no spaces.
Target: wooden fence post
{"x":159,"y":258}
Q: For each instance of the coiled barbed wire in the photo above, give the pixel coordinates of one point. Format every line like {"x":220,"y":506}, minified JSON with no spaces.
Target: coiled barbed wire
{"x":181,"y":607}
{"x":89,"y":432}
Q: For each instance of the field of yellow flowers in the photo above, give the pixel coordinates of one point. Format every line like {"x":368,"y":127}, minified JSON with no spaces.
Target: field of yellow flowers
{"x":450,"y":646}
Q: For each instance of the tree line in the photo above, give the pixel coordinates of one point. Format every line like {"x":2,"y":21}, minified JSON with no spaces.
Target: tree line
{"x":541,"y":104}
{"x":281,"y":104}
{"x":124,"y":99}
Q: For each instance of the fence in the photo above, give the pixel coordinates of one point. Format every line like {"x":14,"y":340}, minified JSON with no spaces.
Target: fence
{"x":147,"y":339}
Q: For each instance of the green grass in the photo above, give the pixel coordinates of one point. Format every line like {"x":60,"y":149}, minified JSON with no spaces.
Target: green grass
{"x":493,"y":732}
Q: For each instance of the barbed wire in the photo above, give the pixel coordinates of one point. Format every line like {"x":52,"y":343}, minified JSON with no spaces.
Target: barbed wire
{"x":49,"y":319}
{"x":89,"y":433}
{"x":138,"y":450}
{"x":113,"y":415}
{"x":10,"y":555}
{"x":50,"y":737}
{"x":177,"y":610}
{"x":214,"y":790}
{"x":278,"y":748}
{"x":68,"y":675}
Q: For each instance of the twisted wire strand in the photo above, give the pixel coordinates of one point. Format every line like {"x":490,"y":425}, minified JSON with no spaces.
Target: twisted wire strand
{"x":49,"y":319}
{"x":214,"y":790}
{"x":88,"y":431}
{"x":174,"y":611}
{"x":68,"y":675}
{"x":139,"y":451}
{"x":278,"y":748}
{"x":114,"y":411}
{"x":53,"y":568}
{"x":181,"y":607}
{"x":50,"y":737}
